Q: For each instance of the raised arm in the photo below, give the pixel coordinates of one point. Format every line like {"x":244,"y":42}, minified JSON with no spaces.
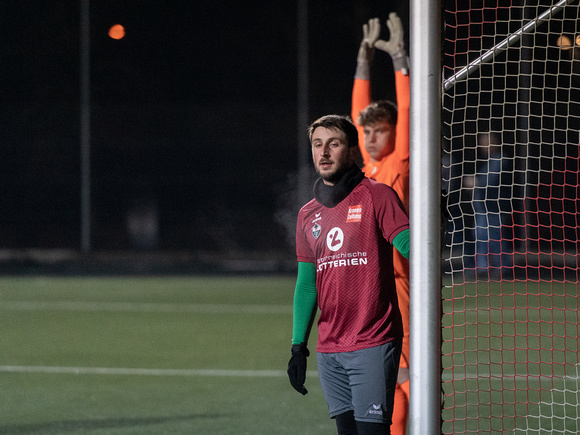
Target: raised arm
{"x":395,"y":47}
{"x":361,"y":92}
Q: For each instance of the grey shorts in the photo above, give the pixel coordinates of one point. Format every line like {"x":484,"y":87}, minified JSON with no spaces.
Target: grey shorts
{"x":362,"y":381}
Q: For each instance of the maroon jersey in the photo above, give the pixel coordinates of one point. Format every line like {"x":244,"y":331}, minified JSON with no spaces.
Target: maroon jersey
{"x":351,"y":246}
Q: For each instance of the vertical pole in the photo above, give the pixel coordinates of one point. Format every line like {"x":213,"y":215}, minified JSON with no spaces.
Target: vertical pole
{"x":425,"y":217}
{"x":523,"y":177}
{"x":85,"y":126}
{"x":304,"y":184}
{"x":523,"y":105}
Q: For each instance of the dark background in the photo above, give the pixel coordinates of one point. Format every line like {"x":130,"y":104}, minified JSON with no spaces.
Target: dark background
{"x":193,"y":119}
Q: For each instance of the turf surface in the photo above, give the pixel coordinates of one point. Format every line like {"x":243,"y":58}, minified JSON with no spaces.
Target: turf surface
{"x":151,"y":355}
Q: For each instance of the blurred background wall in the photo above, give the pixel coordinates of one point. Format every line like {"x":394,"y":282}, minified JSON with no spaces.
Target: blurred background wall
{"x":194,"y":135}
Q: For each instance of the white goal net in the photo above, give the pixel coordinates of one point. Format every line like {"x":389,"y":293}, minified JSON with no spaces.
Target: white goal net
{"x":511,"y":122}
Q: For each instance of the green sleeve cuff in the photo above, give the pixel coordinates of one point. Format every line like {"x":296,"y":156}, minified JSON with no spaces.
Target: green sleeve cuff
{"x":305,"y":298}
{"x":401,"y":243}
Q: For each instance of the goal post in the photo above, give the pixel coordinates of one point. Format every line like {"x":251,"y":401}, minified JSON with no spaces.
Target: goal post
{"x":424,"y":216}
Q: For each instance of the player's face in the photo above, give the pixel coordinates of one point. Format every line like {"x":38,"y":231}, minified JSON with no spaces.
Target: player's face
{"x":379,"y":140}
{"x":331,"y":154}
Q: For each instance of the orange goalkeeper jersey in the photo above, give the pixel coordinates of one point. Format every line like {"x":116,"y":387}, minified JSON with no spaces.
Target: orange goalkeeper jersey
{"x":392,"y":170}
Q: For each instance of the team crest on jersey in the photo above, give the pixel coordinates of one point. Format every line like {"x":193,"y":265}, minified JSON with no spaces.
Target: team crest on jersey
{"x":316,"y":230}
{"x":354,"y":213}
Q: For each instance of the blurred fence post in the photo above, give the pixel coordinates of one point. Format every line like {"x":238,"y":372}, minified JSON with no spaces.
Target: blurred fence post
{"x":303,"y":195}
{"x":85,"y":126}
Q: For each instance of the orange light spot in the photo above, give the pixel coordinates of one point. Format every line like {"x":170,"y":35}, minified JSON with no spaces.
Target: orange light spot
{"x":117,"y":31}
{"x":564,"y":42}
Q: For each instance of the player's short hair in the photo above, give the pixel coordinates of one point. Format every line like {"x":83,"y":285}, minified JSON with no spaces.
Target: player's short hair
{"x":378,"y":111}
{"x":337,"y":122}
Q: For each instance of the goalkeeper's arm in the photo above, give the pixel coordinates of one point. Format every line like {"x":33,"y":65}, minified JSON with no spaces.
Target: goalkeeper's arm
{"x":395,"y":46}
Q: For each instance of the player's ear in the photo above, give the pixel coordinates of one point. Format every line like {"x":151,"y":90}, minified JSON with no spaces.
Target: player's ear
{"x":352,"y":153}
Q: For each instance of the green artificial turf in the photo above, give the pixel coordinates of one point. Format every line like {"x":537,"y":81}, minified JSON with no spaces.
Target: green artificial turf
{"x":129,"y":355}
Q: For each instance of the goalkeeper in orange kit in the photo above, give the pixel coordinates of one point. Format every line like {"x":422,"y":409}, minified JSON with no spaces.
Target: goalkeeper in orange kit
{"x":384,"y":130}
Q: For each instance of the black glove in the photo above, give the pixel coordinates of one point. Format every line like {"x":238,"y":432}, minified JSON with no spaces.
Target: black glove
{"x":297,"y":367}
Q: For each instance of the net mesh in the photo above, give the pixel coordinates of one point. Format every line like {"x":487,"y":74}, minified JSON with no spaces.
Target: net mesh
{"x":511,"y":116}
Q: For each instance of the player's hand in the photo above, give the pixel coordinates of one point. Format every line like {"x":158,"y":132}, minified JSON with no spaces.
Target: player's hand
{"x":395,"y":46}
{"x":297,"y":367}
{"x":371,"y":32}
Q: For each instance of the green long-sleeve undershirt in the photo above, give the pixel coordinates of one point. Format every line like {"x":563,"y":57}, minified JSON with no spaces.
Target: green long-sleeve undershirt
{"x":401,"y":243}
{"x":305,"y":295}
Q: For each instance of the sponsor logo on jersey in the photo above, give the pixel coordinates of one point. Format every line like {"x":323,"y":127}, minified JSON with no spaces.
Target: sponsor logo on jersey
{"x":354,"y":213}
{"x":316,"y":230}
{"x":342,"y":259}
{"x":335,"y":239}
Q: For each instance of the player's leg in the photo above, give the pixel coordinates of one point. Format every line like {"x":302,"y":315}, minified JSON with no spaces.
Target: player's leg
{"x":346,"y":424}
{"x":401,"y":407}
{"x":373,"y":378}
{"x":366,"y":428}
{"x":334,"y":381}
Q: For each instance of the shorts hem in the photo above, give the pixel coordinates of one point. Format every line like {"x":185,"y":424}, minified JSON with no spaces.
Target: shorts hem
{"x":335,"y":413}
{"x":371,"y":420}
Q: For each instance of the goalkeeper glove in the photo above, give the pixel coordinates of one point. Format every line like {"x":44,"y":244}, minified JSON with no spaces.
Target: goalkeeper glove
{"x":371,"y":32}
{"x":297,"y":367}
{"x":395,"y":46}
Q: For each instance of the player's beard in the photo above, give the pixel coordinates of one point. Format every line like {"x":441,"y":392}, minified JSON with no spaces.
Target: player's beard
{"x":333,"y":177}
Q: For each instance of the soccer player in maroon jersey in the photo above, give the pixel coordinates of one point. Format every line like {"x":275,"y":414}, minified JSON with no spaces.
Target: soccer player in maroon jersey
{"x":344,"y":246}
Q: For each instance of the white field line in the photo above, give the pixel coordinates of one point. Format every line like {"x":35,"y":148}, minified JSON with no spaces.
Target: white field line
{"x":146,"y":372}
{"x":138,"y":307}
{"x":145,"y":307}
{"x":187,"y":372}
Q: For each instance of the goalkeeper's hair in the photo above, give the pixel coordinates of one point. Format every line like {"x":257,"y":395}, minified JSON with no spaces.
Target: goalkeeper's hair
{"x":378,"y":111}
{"x":336,"y":122}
